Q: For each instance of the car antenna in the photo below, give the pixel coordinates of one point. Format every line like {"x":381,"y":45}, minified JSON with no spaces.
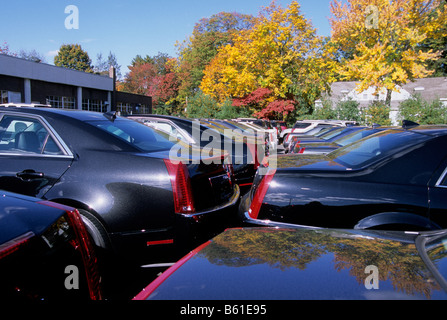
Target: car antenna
{"x":111,"y":115}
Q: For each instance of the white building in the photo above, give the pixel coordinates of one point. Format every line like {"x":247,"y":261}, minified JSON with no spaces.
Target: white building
{"x":429,"y":88}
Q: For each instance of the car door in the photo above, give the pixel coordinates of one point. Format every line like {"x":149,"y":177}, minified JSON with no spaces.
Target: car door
{"x":32,"y":156}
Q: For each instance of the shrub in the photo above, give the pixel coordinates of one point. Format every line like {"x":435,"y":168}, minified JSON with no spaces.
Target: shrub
{"x":423,"y":112}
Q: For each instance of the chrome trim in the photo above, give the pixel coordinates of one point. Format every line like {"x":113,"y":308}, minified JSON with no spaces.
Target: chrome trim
{"x":234,"y":199}
{"x":438,"y":183}
{"x":269,"y":223}
{"x":55,"y":136}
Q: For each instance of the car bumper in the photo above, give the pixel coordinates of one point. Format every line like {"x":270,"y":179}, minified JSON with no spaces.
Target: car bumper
{"x":171,"y":243}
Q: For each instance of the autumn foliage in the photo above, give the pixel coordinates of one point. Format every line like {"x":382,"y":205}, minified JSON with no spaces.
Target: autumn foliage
{"x":381,"y":40}
{"x":276,"y":66}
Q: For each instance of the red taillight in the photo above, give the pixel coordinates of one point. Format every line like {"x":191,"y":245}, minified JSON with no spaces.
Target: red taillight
{"x":83,"y":244}
{"x":13,"y":245}
{"x":181,"y":187}
{"x":260,"y":193}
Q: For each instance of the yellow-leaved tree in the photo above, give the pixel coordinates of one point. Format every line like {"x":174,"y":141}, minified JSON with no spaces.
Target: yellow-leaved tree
{"x":281,"y":52}
{"x":380,"y":40}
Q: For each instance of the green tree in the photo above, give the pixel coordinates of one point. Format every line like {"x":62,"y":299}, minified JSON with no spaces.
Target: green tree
{"x":72,"y":56}
{"x":423,"y":112}
{"x":348,"y":110}
{"x":378,"y":112}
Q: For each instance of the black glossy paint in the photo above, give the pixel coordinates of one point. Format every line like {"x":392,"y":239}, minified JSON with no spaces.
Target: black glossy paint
{"x":204,"y":133}
{"x":305,"y":264}
{"x":34,"y":269}
{"x":324,"y":191}
{"x":126,"y":189}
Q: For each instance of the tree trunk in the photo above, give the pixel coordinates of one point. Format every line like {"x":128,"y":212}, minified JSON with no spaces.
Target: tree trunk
{"x":389,"y":92}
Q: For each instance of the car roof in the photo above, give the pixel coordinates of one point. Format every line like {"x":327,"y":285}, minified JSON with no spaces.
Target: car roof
{"x":82,"y":115}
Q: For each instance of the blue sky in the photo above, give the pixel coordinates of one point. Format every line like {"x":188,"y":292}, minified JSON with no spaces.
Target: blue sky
{"x":126,"y":28}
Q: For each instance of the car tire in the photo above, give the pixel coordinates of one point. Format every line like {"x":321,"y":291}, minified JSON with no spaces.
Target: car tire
{"x":96,"y":230}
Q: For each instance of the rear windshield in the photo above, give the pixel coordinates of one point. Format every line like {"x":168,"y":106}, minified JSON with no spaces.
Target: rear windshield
{"x":136,"y":134}
{"x":376,"y":147}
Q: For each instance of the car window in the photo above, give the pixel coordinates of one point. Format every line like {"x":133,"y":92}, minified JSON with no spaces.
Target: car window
{"x":24,"y":135}
{"x":376,"y":147}
{"x":354,"y":137}
{"x":136,"y":134}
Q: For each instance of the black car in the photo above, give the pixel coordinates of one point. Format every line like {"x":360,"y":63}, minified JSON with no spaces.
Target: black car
{"x":136,"y":198}
{"x":262,"y":264}
{"x":329,"y":136}
{"x":246,"y":153}
{"x":392,"y":179}
{"x":45,"y":252}
{"x":328,"y":146}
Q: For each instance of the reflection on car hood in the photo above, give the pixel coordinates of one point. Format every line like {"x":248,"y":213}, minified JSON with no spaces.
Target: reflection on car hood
{"x":293,"y":264}
{"x":307,"y":162}
{"x":21,"y":214}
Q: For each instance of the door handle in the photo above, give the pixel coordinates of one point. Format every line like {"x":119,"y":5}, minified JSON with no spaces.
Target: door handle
{"x":30,"y":175}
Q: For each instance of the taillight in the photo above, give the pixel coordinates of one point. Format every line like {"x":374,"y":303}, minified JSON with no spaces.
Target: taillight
{"x":253,"y":148}
{"x":83,"y":244}
{"x":13,"y":245}
{"x":181,"y":187}
{"x":260,"y":193}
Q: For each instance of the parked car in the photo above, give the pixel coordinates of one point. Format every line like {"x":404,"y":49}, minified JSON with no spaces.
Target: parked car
{"x":23,"y":105}
{"x":333,"y":144}
{"x":262,"y":264}
{"x":394,"y":179}
{"x":260,"y":124}
{"x":137,"y":201}
{"x":311,"y":134}
{"x":39,"y":240}
{"x":328,"y":136}
{"x":245,"y":155}
{"x":250,"y":131}
{"x":304,"y":126}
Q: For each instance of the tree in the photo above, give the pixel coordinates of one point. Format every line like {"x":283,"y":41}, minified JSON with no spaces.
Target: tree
{"x":155,"y":77}
{"x":382,"y":40}
{"x":209,"y":35}
{"x":102,"y":66}
{"x":423,"y":112}
{"x":281,"y":53}
{"x":72,"y":56}
{"x":32,"y":55}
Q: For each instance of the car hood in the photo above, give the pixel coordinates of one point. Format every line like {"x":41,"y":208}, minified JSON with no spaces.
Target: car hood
{"x":308,"y":162}
{"x":20,"y":214}
{"x":295,"y":264}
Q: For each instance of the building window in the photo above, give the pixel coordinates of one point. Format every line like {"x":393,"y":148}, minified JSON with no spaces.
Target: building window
{"x":94,"y":105}
{"x":124,"y":108}
{"x":62,"y":102}
{"x":142,"y":109}
{"x":4,"y":96}
{"x":10,"y":96}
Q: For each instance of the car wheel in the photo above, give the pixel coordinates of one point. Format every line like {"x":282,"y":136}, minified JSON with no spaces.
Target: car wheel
{"x":96,"y":230}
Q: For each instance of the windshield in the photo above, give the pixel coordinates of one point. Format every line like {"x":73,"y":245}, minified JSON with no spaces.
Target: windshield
{"x":376,"y":147}
{"x":136,"y":134}
{"x":350,"y":138}
{"x":332,"y":134}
